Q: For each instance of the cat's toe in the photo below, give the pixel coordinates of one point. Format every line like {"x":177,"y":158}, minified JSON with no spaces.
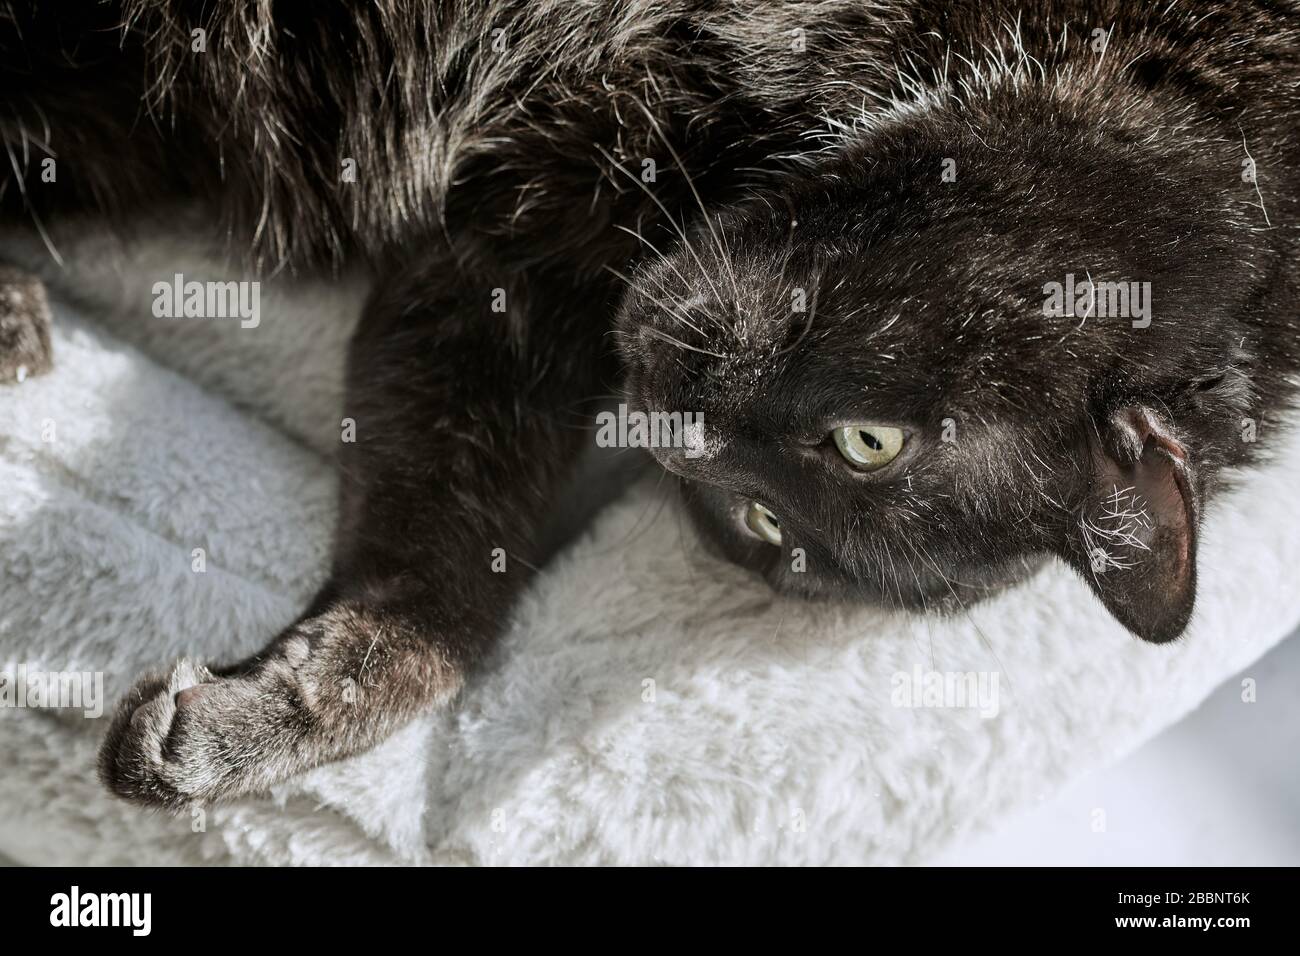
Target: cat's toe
{"x":24,"y":327}
{"x":192,"y":736}
{"x":155,"y":753}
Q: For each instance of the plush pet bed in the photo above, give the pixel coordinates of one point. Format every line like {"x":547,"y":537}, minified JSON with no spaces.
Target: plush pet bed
{"x":649,"y":705}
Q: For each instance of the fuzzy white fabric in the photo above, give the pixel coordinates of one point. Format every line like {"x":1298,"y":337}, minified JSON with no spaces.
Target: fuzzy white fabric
{"x":768,"y":734}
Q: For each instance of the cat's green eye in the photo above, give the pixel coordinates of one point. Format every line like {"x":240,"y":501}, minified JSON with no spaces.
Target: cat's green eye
{"x":868,"y":447}
{"x":763,"y":523}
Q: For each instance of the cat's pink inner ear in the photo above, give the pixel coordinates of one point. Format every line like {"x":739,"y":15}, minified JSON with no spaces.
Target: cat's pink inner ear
{"x":1138,"y":532}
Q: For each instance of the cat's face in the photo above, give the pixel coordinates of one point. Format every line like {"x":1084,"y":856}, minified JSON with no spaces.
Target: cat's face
{"x":888,"y":414}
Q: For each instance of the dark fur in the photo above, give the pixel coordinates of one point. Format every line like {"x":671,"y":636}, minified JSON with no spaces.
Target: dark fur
{"x":482,"y":169}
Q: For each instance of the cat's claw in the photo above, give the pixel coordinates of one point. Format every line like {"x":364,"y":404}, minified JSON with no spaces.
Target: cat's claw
{"x":24,"y":327}
{"x":190,"y":736}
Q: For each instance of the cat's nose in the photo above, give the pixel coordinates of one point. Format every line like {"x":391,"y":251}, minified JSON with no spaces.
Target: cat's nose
{"x":687,"y":449}
{"x":674,"y":460}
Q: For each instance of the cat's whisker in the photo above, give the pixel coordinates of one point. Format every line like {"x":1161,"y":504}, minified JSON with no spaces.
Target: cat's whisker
{"x":679,"y":307}
{"x":672,"y":309}
{"x":812,"y":312}
{"x":720,"y":247}
{"x":680,"y":344}
{"x":883,"y":549}
{"x":36,"y":219}
{"x":962,"y":604}
{"x":681,"y":233}
{"x":925,"y":606}
{"x":667,"y":260}
{"x":661,"y":257}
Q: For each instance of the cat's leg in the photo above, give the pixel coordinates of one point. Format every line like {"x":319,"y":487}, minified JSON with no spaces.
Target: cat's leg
{"x":464,"y":426}
{"x":24,"y":326}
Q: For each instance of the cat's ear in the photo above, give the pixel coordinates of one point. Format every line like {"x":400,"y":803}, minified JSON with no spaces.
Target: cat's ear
{"x":1135,"y":539}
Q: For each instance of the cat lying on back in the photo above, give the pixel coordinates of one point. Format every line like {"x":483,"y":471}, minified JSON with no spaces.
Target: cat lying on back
{"x":838,"y":233}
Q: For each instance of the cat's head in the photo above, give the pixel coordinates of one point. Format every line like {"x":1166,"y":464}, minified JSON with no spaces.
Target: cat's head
{"x":888,"y":409}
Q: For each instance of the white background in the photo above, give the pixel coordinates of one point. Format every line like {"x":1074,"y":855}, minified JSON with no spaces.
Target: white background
{"x":1219,"y":788}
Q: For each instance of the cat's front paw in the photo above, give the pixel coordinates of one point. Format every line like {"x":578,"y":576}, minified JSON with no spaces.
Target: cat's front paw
{"x":24,"y":326}
{"x":192,"y":737}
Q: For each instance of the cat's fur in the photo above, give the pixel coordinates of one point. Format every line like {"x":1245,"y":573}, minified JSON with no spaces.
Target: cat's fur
{"x":801,"y":146}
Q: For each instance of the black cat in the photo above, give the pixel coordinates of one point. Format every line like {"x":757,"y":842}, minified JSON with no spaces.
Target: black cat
{"x":946,"y":287}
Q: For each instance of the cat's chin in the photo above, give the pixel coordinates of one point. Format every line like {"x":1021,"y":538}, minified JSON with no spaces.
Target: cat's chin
{"x":951,"y":593}
{"x":926,"y":592}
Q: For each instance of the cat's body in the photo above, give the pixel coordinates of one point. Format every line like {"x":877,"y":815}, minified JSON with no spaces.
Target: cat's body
{"x":491,"y":119}
{"x":890,"y":189}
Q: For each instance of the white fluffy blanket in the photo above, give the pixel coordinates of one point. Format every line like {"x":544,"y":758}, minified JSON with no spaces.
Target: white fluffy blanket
{"x":650,"y":704}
